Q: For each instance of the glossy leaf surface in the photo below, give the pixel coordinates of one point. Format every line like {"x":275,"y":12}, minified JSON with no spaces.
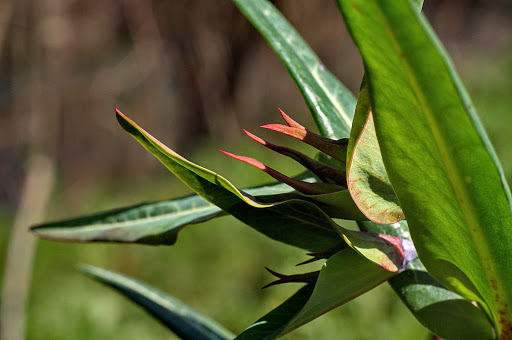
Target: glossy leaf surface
{"x":178,"y":317}
{"x":368,"y":181}
{"x":438,"y":158}
{"x":150,"y":223}
{"x":324,"y":94}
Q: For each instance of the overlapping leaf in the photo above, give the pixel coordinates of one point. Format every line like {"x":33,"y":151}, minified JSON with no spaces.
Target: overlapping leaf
{"x":367,"y":179}
{"x":178,"y":317}
{"x":296,"y":222}
{"x":443,"y":312}
{"x":439,"y":160}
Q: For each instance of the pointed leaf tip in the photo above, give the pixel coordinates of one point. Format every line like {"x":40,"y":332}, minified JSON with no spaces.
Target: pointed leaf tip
{"x":290,"y":121}
{"x":247,"y":160}
{"x":301,"y":186}
{"x":320,"y":169}
{"x":334,"y":148}
{"x":255,"y":138}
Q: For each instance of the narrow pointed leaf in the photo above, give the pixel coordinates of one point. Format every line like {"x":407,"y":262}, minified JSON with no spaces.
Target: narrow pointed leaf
{"x":322,"y":170}
{"x":334,"y":148}
{"x":302,"y":186}
{"x":324,"y":94}
{"x":147,"y":223}
{"x":178,"y":317}
{"x":440,"y":162}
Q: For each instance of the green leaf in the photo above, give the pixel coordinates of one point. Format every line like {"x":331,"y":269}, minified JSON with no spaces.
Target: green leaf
{"x":178,"y":317}
{"x":296,"y":222}
{"x":367,"y":179}
{"x":273,"y":323}
{"x":440,"y":162}
{"x":147,"y":223}
{"x":326,"y":97}
{"x":443,"y":312}
{"x":343,"y":277}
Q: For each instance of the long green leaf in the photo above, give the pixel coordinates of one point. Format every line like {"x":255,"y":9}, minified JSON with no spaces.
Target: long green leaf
{"x":273,"y":323}
{"x":148,"y":223}
{"x":324,"y":94}
{"x":274,"y":221}
{"x":296,"y":222}
{"x":178,"y":317}
{"x":439,"y":160}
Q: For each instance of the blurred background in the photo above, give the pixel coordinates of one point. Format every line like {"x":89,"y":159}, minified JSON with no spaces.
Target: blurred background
{"x":193,"y":74}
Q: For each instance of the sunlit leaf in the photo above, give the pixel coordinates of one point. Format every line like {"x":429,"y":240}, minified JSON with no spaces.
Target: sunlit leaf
{"x":438,"y":158}
{"x":368,"y":181}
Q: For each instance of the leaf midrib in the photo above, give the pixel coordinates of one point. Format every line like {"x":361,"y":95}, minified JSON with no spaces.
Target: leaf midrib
{"x":452,"y":173}
{"x":117,"y":224}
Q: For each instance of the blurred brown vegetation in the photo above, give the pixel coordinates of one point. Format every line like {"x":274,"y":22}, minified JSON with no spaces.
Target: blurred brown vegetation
{"x":186,"y":70}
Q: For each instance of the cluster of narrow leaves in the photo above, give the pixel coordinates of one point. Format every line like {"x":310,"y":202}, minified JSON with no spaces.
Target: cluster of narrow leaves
{"x":414,"y":149}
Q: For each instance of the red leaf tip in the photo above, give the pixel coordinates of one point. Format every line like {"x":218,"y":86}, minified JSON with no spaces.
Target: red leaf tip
{"x":290,"y":121}
{"x":248,"y":160}
{"x":255,"y":138}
